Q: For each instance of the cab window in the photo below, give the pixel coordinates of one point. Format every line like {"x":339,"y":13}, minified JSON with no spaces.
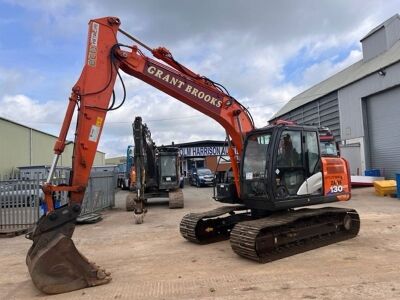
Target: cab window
{"x":289,"y":151}
{"x":255,"y":159}
{"x":168,"y":165}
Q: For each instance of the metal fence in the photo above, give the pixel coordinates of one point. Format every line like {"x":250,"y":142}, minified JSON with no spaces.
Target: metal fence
{"x":19,"y":202}
{"x":100,"y":192}
{"x":22,"y":200}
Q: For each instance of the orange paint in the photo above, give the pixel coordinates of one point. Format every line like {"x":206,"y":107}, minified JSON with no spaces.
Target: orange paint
{"x":336,"y":178}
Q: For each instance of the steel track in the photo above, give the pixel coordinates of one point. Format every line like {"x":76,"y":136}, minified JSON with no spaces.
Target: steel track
{"x":286,"y":234}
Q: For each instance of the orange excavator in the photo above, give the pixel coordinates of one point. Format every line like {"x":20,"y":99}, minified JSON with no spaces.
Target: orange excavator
{"x":277,"y":169}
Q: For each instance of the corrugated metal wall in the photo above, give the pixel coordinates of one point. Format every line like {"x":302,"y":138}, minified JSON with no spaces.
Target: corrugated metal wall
{"x":23,"y":146}
{"x":321,"y":112}
{"x":13,"y":146}
{"x":42,"y":148}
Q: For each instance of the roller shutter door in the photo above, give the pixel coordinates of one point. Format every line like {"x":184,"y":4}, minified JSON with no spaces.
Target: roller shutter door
{"x":383,"y":113}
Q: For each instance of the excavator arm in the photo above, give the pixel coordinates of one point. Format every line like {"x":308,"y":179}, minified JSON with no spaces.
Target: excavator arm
{"x":54,"y":263}
{"x":145,"y":166}
{"x":196,"y":91}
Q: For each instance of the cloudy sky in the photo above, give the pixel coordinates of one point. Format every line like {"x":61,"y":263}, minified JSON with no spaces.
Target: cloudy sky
{"x":263,"y":52}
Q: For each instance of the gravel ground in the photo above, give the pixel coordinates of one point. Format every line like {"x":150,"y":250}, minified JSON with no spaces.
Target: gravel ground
{"x":152,"y":260}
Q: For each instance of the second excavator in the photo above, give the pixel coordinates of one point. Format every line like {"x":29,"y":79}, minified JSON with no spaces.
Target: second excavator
{"x":156,"y":173}
{"x":277,"y":169}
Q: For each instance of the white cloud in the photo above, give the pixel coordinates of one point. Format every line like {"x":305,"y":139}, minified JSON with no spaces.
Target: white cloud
{"x":168,"y":120}
{"x":43,"y":116}
{"x":176,"y":123}
{"x":326,"y":68}
{"x":244,"y":47}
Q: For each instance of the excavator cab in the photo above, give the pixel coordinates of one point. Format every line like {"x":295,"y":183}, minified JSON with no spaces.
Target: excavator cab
{"x":282,"y":168}
{"x":168,"y":168}
{"x":276,"y":163}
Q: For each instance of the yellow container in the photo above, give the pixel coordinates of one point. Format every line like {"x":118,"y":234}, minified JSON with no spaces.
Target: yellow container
{"x":385,"y":187}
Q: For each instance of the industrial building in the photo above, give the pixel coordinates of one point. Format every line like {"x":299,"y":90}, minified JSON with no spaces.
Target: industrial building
{"x":203,"y":154}
{"x":199,"y":154}
{"x":115,"y":160}
{"x":25,"y":146}
{"x":360,"y":104}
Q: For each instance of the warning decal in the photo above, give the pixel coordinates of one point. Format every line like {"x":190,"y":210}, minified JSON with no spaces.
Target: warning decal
{"x":94,"y":133}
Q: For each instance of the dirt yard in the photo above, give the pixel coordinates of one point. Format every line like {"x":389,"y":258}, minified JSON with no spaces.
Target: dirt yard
{"x":152,"y":260}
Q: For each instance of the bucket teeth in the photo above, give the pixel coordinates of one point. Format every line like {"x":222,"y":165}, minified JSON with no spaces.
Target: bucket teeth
{"x":54,"y":263}
{"x":60,"y":267}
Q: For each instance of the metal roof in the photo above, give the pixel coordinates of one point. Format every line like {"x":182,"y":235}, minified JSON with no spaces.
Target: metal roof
{"x":345,"y":77}
{"x":384,"y":24}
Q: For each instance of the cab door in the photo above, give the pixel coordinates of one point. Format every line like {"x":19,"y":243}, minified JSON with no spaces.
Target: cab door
{"x":296,"y":171}
{"x":254,"y":172}
{"x":313,"y":183}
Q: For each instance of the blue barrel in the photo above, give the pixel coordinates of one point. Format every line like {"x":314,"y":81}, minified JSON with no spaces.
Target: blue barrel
{"x":398,"y":184}
{"x":42,"y":208}
{"x":57,"y":203}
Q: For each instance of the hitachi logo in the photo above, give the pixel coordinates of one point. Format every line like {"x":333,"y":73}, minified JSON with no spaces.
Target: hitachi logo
{"x":164,"y":76}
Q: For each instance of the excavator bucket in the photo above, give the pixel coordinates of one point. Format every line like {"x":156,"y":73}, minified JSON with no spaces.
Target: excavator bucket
{"x":54,"y":263}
